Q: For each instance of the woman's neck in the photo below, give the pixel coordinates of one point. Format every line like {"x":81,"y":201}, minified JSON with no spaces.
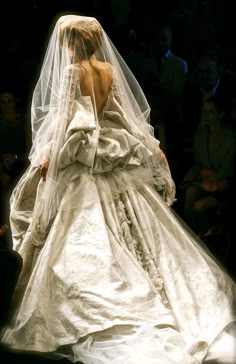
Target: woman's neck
{"x":86,"y":60}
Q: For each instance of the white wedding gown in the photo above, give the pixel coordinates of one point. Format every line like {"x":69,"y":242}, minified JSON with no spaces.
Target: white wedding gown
{"x":118,"y":278}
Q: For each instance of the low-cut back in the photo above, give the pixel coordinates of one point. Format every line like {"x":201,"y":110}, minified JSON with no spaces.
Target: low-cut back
{"x":95,"y":81}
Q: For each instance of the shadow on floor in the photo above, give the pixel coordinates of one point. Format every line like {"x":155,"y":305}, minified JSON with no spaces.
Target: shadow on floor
{"x":11,"y":357}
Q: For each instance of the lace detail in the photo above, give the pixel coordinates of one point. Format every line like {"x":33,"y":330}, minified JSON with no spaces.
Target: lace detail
{"x":70,"y":91}
{"x":164,"y":183}
{"x":43,"y":214}
{"x":134,"y":240}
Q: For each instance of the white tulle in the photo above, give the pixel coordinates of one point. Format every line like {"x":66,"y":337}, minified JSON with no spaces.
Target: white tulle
{"x":57,"y":102}
{"x":110,"y":273}
{"x":146,"y":344}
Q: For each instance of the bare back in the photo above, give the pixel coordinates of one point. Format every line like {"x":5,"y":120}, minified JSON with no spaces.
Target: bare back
{"x":96,"y":80}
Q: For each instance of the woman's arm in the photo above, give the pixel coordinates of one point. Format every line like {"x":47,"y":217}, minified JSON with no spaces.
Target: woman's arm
{"x":193,"y":175}
{"x":69,"y":90}
{"x":215,"y":183}
{"x":44,"y":170}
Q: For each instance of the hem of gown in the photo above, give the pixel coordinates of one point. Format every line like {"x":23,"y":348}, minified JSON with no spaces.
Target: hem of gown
{"x":198,"y":351}
{"x":71,"y":340}
{"x":214,"y":339}
{"x":54,"y":352}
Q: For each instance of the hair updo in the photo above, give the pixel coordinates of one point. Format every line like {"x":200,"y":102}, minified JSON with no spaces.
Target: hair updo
{"x":82,"y":35}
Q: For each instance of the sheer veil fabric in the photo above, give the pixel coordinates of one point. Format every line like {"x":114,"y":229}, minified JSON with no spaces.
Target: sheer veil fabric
{"x":110,"y":274}
{"x":77,"y":41}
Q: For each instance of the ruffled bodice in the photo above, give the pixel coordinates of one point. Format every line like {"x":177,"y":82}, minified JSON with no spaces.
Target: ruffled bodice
{"x":106,"y":148}
{"x":112,"y":144}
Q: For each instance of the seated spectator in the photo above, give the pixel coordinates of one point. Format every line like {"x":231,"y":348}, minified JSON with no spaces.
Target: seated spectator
{"x":208,"y":184}
{"x":208,"y":79}
{"x":3,"y":229}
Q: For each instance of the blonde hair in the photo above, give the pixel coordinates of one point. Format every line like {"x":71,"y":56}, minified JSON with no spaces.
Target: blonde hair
{"x":82,"y":36}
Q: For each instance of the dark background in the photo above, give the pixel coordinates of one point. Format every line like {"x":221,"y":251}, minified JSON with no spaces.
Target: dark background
{"x":26,"y":27}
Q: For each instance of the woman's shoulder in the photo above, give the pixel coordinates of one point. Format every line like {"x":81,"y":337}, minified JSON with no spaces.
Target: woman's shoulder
{"x":73,"y":68}
{"x":103,"y":66}
{"x":80,"y":69}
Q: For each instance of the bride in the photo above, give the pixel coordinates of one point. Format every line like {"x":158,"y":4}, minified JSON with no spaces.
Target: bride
{"x":110,"y":274}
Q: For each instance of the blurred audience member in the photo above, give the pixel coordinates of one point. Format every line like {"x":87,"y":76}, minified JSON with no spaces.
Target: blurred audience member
{"x":209,"y":79}
{"x":166,"y":82}
{"x":208,"y":184}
